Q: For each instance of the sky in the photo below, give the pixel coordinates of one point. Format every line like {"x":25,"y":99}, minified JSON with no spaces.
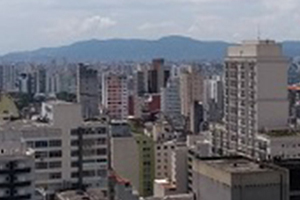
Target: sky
{"x":31,"y":24}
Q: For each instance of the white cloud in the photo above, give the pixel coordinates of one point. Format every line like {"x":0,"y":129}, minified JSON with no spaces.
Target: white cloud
{"x":75,"y":27}
{"x":155,"y":26}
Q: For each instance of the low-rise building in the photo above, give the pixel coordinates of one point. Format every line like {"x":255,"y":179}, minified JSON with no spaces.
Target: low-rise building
{"x":282,"y":143}
{"x":232,"y":178}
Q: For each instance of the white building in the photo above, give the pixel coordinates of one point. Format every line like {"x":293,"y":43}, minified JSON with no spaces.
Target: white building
{"x":17,"y":179}
{"x":255,"y":92}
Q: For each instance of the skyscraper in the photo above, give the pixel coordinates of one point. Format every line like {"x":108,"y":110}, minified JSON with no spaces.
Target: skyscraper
{"x":87,"y":91}
{"x":191,"y":89}
{"x":115,"y":95}
{"x":255,"y":93}
{"x":170,"y":98}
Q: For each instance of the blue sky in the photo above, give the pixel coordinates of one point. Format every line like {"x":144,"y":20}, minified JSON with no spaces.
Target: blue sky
{"x":30,"y":24}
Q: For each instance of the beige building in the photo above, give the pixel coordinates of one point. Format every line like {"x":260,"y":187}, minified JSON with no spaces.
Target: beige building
{"x":255,"y":93}
{"x":191,"y":89}
{"x":234,"y":178}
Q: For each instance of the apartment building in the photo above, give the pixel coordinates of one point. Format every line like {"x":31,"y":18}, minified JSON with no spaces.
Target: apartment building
{"x":255,"y":92}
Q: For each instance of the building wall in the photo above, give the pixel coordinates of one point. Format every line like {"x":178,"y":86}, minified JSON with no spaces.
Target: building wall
{"x":87,"y":91}
{"x":125,"y":159}
{"x":146,"y":164}
{"x":163,"y":154}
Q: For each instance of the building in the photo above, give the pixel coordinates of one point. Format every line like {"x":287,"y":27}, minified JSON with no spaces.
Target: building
{"x":163,"y":155}
{"x":197,"y":117}
{"x":170,"y":98}
{"x":90,"y":156}
{"x":278,"y":144}
{"x":8,"y":108}
{"x":69,"y":153}
{"x":255,"y":92}
{"x":122,"y":189}
{"x":132,"y":157}
{"x":115,"y":95}
{"x":191,"y":89}
{"x":17,"y":178}
{"x":293,"y":166}
{"x":230,"y":178}
{"x":88,"y":91}
{"x":79,"y":195}
{"x":214,"y":98}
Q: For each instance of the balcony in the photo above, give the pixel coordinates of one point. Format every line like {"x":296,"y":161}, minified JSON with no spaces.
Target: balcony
{"x":15,"y":171}
{"x":15,"y":184}
{"x":17,"y":197}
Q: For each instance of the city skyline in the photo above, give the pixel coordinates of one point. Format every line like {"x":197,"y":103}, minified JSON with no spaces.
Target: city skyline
{"x":34,"y":24}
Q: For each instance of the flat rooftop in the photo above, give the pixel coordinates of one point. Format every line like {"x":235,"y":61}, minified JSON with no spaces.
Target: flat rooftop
{"x":281,"y":133}
{"x":237,"y":165}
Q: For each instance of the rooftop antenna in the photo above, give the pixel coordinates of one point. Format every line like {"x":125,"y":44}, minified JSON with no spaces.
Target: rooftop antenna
{"x":258,"y":32}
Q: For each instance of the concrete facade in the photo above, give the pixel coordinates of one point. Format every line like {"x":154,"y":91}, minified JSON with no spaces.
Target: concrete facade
{"x":238,"y":178}
{"x":255,"y":92}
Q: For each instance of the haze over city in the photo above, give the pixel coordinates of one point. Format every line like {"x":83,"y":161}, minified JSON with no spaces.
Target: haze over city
{"x":31,"y":24}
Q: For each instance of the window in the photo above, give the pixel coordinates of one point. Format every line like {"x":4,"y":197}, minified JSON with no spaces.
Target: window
{"x":41,"y":154}
{"x":101,"y":130}
{"x":41,"y":165}
{"x":101,"y":151}
{"x":55,"y":143}
{"x":102,"y":172}
{"x":74,"y":164}
{"x":55,"y":154}
{"x":74,"y":153}
{"x":101,"y":141}
{"x":55,"y":164}
{"x":74,"y":142}
{"x":41,"y":144}
{"x":55,"y":175}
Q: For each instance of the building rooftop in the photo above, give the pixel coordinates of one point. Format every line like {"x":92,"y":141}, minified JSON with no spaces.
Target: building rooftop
{"x":236,"y":165}
{"x":281,"y":133}
{"x":79,"y":195}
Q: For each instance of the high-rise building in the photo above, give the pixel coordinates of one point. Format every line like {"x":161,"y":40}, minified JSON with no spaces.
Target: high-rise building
{"x":87,"y":91}
{"x":17,"y":173}
{"x":132,"y":157}
{"x":191,"y":89}
{"x":115,"y":95}
{"x":158,"y":75}
{"x":256,"y":95}
{"x":90,"y":155}
{"x":170,"y":98}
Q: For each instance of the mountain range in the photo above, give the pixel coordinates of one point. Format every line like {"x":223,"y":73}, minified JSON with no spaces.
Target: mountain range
{"x":173,"y":48}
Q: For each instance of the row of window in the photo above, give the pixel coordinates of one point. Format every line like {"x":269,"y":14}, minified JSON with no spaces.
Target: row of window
{"x":44,"y":143}
{"x":48,"y":165}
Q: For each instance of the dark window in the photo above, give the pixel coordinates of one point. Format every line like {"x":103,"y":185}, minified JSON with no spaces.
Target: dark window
{"x":41,"y":165}
{"x":74,"y":164}
{"x":55,"y":175}
{"x":55,"y":154}
{"x":55,"y":164}
{"x":74,"y":143}
{"x":101,"y":141}
{"x":55,"y":143}
{"x":101,"y":151}
{"x":74,"y":153}
{"x":41,"y":154}
{"x":41,"y":144}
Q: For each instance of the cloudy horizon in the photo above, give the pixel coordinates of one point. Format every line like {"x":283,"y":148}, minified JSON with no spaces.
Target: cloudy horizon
{"x":31,"y":24}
